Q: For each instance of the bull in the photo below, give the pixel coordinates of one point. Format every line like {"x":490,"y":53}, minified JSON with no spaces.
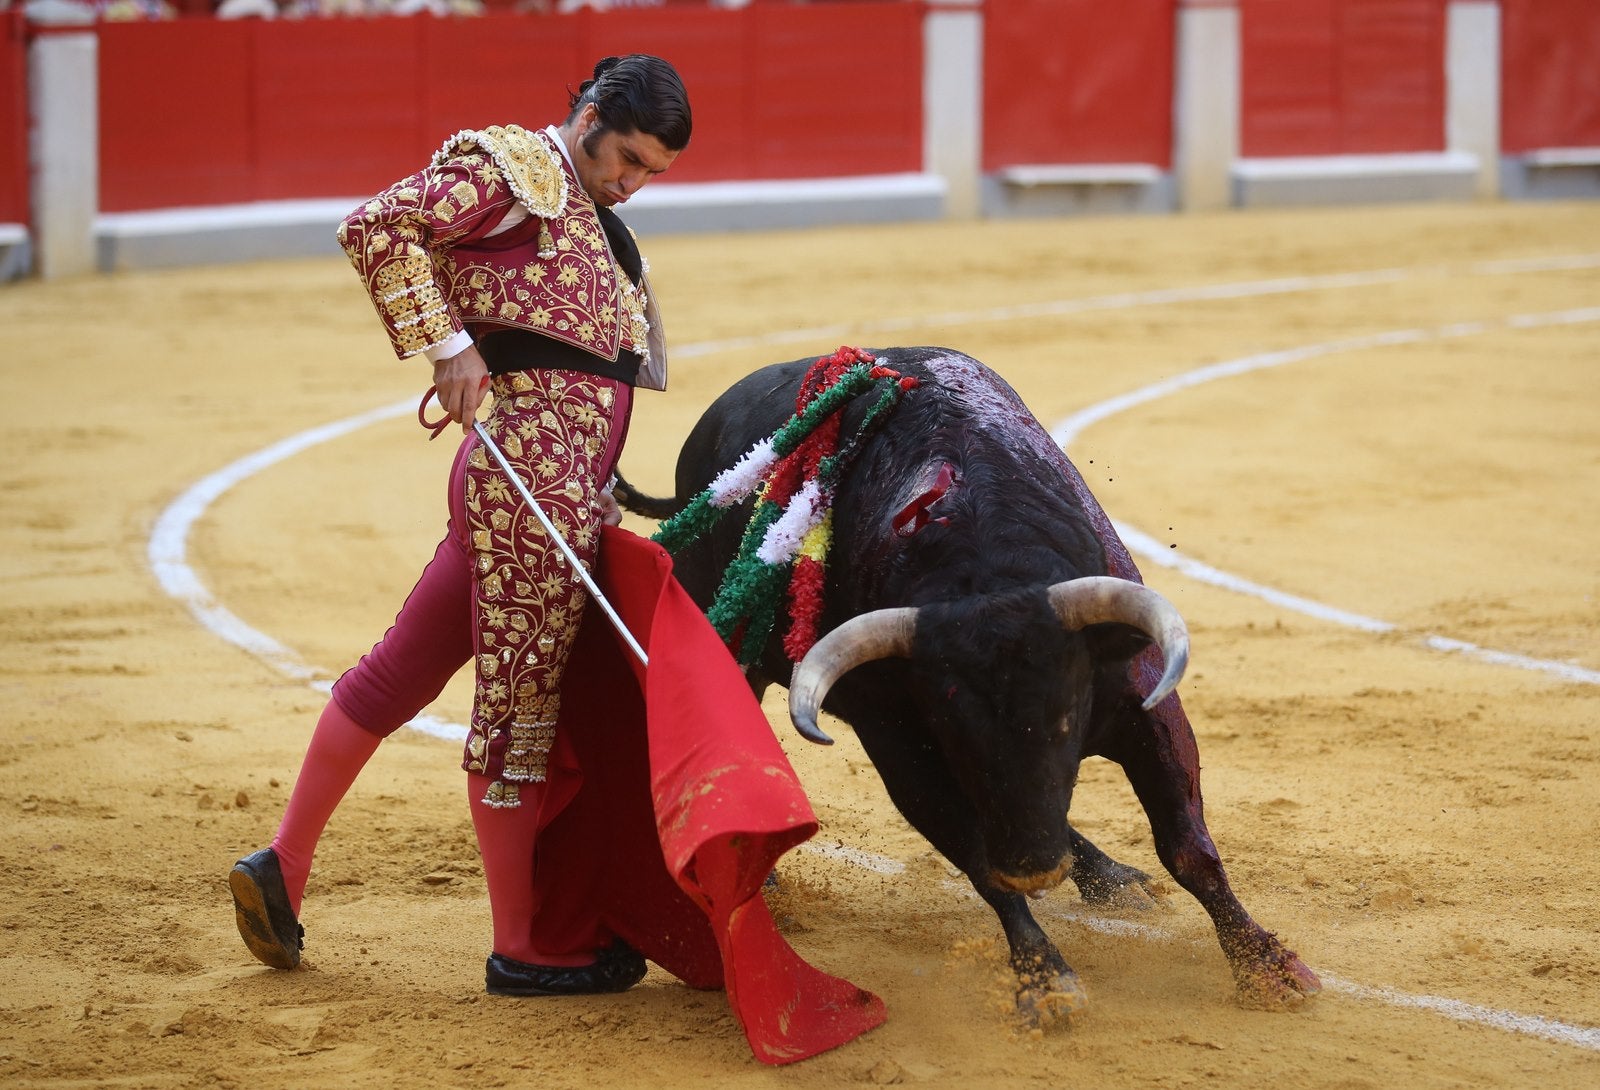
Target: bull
{"x":982,"y":648}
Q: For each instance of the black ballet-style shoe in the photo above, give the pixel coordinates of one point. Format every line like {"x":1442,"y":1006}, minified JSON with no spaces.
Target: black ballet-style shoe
{"x":618,"y":968}
{"x":261,"y":908}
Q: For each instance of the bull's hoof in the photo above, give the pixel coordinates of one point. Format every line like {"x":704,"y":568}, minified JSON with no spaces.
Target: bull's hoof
{"x":1274,"y":980}
{"x":1140,"y":893}
{"x":1117,"y":885}
{"x":1047,"y":1000}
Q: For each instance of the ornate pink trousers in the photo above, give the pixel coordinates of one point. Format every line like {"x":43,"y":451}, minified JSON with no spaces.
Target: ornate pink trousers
{"x":497,"y":591}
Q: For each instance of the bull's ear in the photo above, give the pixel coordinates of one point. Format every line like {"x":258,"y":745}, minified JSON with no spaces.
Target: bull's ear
{"x":1115,"y":642}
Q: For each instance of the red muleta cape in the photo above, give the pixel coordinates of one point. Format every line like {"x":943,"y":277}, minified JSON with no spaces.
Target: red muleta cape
{"x":671,"y":800}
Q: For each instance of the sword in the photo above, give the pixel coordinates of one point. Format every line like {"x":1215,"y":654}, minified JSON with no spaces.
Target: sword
{"x":566,"y":550}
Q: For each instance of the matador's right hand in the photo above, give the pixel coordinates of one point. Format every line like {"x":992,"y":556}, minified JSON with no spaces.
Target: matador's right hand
{"x":459,"y":382}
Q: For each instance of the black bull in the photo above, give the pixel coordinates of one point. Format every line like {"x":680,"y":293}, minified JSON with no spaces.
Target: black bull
{"x":979,"y":704}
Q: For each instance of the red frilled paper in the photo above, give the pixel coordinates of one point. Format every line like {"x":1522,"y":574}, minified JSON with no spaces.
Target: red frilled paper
{"x":672,"y":800}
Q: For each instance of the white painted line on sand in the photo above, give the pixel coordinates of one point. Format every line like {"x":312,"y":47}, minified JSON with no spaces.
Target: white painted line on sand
{"x":1198,"y":293}
{"x":168,"y":548}
{"x":1527,"y":1025}
{"x":878,"y":864}
{"x":1147,"y":547}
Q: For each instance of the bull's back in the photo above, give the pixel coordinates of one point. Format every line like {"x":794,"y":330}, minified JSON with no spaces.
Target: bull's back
{"x":747,"y":412}
{"x":957,"y":396}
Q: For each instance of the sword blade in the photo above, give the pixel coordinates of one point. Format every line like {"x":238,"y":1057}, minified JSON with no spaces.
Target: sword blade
{"x":566,"y":550}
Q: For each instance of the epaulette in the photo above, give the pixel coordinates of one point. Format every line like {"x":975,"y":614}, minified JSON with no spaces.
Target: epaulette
{"x":531,"y":168}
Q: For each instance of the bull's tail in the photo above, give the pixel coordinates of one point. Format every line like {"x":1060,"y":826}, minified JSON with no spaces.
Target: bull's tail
{"x":651,"y":507}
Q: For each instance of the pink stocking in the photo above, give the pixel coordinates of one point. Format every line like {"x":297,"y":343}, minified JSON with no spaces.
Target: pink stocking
{"x":339,"y":749}
{"x":505,"y":841}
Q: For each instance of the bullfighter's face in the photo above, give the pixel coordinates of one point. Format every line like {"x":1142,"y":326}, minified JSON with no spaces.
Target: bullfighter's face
{"x":613,"y":166}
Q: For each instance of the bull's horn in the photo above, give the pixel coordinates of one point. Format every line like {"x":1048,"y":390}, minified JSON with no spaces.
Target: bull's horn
{"x":881,"y":634}
{"x":1103,"y":599}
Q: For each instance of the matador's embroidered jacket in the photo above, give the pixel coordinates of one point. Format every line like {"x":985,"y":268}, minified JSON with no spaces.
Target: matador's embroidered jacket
{"x":423,"y":248}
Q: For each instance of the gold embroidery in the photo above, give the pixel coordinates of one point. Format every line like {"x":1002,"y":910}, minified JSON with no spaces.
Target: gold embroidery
{"x":407,"y":294}
{"x":528,"y":755}
{"x":526,"y":603}
{"x":465,"y":195}
{"x":532,"y":169}
{"x":573,"y":291}
{"x":502,"y":796}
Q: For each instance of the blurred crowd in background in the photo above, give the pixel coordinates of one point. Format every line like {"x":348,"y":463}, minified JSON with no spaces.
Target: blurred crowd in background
{"x":133,"y":10}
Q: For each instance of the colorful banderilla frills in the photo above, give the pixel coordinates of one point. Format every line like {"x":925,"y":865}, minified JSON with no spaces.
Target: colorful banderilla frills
{"x":793,"y":474}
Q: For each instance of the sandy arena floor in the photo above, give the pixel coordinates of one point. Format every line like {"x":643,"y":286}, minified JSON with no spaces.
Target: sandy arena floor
{"x":1408,"y":447}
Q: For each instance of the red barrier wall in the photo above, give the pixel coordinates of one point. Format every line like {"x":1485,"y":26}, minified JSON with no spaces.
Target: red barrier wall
{"x":1077,"y":81}
{"x":203,"y":112}
{"x":1339,"y":77}
{"x":14,"y":178}
{"x":1550,"y":80}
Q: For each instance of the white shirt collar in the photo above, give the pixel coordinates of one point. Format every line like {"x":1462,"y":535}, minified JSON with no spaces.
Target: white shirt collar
{"x":555,"y":134}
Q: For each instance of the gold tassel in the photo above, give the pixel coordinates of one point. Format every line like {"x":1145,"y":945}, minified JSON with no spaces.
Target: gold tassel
{"x":547,"y":245}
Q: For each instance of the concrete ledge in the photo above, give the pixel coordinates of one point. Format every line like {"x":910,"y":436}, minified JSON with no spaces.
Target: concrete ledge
{"x":16,"y":251}
{"x":1551,"y":174}
{"x":1564,"y":157}
{"x":279,"y":229}
{"x":1028,"y":176}
{"x":667,"y":208}
{"x":1056,"y":189}
{"x":1354,"y":179}
{"x":219,"y":235}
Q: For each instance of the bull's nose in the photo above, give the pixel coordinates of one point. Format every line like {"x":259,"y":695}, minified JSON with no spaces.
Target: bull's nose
{"x":1033,"y":882}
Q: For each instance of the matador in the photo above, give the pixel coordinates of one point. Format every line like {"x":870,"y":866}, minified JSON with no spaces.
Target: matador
{"x":502,"y":263}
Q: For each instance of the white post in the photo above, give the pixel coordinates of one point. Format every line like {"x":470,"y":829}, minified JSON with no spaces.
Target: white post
{"x":1205,"y":111}
{"x":952,"y":101}
{"x":63,"y":86}
{"x":1472,"y":87}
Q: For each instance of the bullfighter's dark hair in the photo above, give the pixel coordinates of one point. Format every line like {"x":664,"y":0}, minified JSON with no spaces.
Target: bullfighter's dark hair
{"x":637,"y":93}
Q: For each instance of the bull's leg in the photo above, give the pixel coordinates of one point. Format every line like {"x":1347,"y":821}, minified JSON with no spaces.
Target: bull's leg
{"x":1047,"y":987}
{"x":1101,"y":880}
{"x":1157,"y":751}
{"x":925,"y":793}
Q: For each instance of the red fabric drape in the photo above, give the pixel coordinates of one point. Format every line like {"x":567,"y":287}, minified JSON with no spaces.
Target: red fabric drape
{"x":671,"y":798}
